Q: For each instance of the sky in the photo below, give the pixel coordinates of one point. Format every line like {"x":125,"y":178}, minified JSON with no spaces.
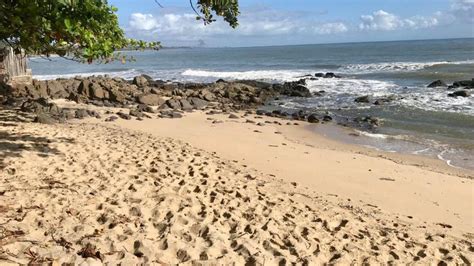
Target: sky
{"x":288,"y":22}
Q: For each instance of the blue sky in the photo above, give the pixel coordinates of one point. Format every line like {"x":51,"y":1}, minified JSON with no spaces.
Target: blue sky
{"x":281,"y":22}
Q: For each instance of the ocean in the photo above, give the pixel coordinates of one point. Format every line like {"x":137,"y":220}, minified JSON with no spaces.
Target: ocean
{"x":420,"y":120}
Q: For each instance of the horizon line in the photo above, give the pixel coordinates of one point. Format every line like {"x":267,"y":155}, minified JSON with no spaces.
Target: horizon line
{"x":306,"y":44}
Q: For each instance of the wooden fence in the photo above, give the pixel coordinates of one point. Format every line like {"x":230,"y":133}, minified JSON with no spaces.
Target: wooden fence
{"x":13,"y":67}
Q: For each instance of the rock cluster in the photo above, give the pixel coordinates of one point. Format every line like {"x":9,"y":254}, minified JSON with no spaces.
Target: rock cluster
{"x":144,"y":95}
{"x":117,"y":92}
{"x":460,"y":88}
{"x":300,"y":115}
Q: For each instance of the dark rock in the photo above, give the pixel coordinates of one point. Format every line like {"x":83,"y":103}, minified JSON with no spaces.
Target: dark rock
{"x":277,"y":112}
{"x":44,"y":118}
{"x":233,"y":116}
{"x":84,"y":87}
{"x":256,"y":84}
{"x":124,"y":116}
{"x":293,"y":89}
{"x":40,"y":105}
{"x":56,"y":90}
{"x":384,"y":100}
{"x":96,"y":102}
{"x":299,"y":115}
{"x":301,"y":82}
{"x":137,"y":113}
{"x":368,"y":120}
{"x":437,"y":83}
{"x":93,"y":113}
{"x":155,"y":91}
{"x":469,"y":84}
{"x":176,"y":115}
{"x":41,"y":87}
{"x":185,"y":105}
{"x":111,"y":118}
{"x":117,"y":96}
{"x":145,"y":108}
{"x":142,"y":80}
{"x":198,"y":103}
{"x":362,"y":99}
{"x":20,"y":90}
{"x":260,"y":112}
{"x":96,"y":91}
{"x":220,"y":81}
{"x":194,"y":86}
{"x":460,"y":93}
{"x":78,"y":98}
{"x":331,"y":75}
{"x":327,"y":118}
{"x":327,"y":75}
{"x":68,"y":114}
{"x":208,"y":96}
{"x":47,"y":113}
{"x":319,"y":75}
{"x":81,"y":113}
{"x":312,"y":118}
{"x":170,"y":114}
{"x":173,"y":104}
{"x":151,"y":99}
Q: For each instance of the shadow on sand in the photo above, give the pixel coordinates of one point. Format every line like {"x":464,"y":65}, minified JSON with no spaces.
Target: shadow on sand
{"x":13,"y":142}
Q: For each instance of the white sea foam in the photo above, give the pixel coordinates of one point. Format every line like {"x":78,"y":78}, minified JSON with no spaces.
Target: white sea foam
{"x":276,"y":75}
{"x":373,"y":135}
{"x":126,"y":74}
{"x":395,"y":66}
{"x":352,"y":86}
{"x":421,"y":151}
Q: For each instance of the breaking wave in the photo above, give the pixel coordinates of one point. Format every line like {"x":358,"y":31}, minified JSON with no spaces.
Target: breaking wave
{"x":396,"y":66}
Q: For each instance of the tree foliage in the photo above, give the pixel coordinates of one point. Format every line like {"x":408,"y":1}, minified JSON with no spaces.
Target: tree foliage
{"x":228,"y":9}
{"x":84,"y":30}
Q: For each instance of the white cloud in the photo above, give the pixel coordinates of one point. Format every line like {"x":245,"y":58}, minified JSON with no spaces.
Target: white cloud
{"x":268,"y":23}
{"x":331,"y":28}
{"x":140,"y":21}
{"x":463,"y":10}
{"x":384,"y":21}
{"x":379,"y":20}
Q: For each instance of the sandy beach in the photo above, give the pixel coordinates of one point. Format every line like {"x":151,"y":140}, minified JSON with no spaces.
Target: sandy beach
{"x":213,"y":190}
{"x":256,"y":133}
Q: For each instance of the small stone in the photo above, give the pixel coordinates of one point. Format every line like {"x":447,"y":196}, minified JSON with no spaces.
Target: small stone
{"x":312,"y":118}
{"x":362,"y":99}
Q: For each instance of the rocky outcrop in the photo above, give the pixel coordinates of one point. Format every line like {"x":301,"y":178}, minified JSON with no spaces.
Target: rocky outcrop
{"x":467,"y":84}
{"x":368,"y":122}
{"x":460,"y":93}
{"x":106,"y":91}
{"x":362,"y":99}
{"x":293,"y":89}
{"x":326,"y":75}
{"x":437,"y":83}
{"x":313,"y":118}
{"x":151,"y":99}
{"x":45,"y":111}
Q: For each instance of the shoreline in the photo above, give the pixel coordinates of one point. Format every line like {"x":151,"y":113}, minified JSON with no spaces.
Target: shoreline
{"x":430,"y":162}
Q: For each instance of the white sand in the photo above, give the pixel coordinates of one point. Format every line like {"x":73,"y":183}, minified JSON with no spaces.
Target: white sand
{"x":118,"y":195}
